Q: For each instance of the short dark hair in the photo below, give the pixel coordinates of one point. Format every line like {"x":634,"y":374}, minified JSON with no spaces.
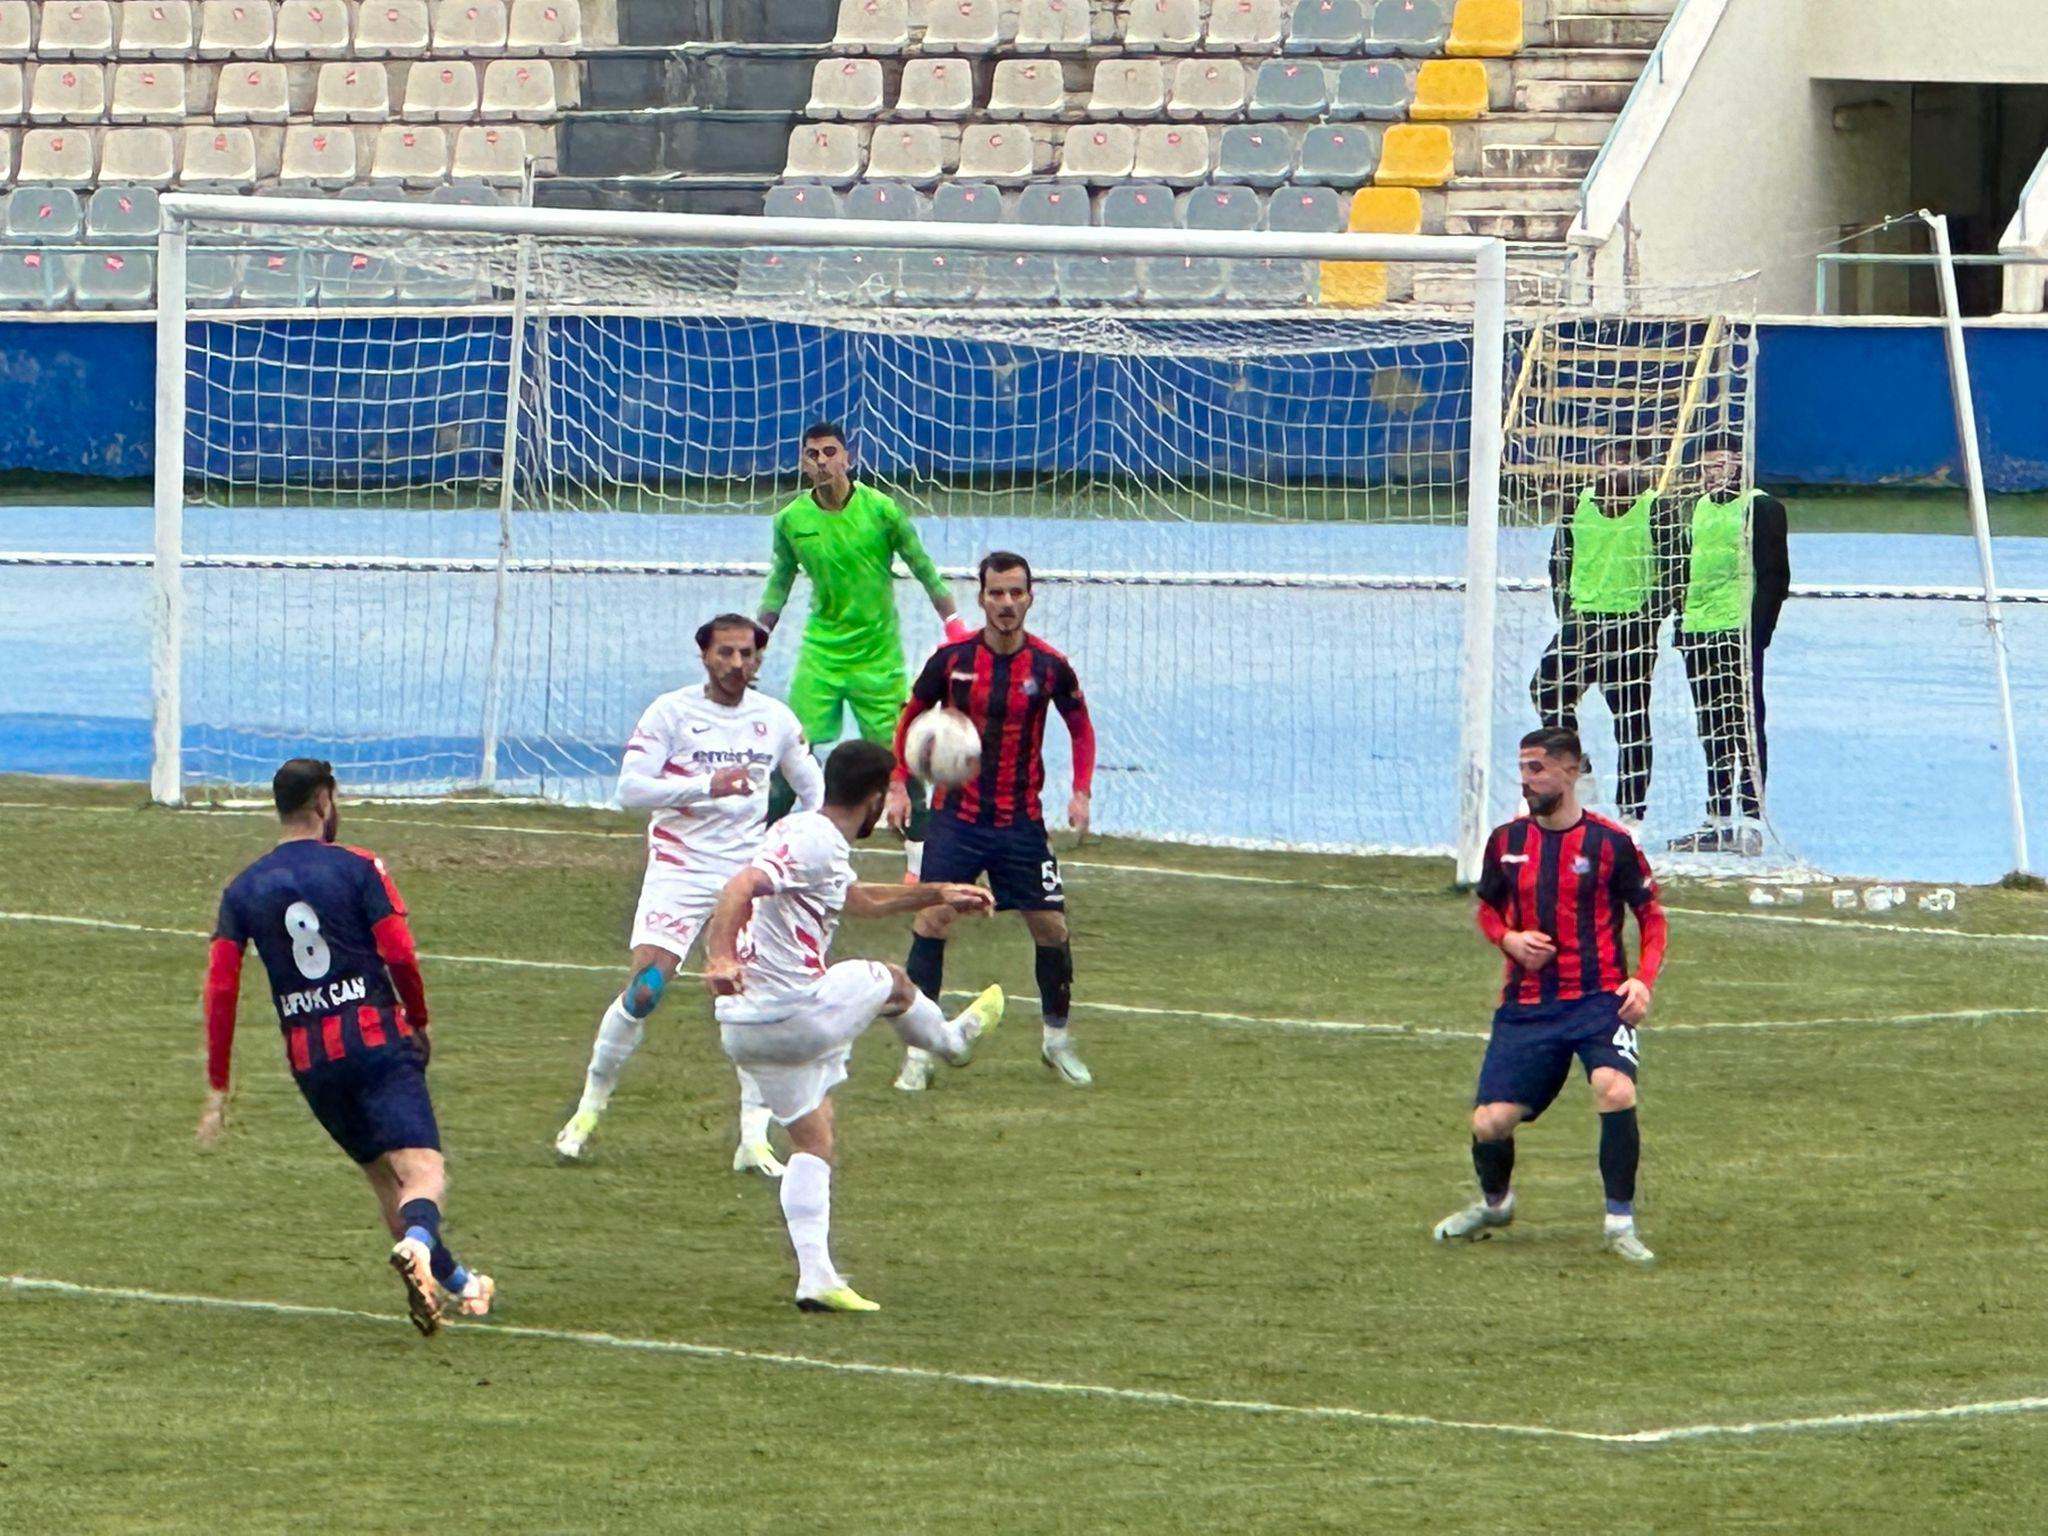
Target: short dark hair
{"x":1555,"y":741}
{"x":295,"y":784}
{"x":818,"y":429}
{"x":855,"y":770}
{"x":730,"y":621}
{"x":1001,"y":560}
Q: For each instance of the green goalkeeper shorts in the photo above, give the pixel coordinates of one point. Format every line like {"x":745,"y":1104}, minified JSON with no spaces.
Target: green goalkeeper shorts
{"x":819,"y":695}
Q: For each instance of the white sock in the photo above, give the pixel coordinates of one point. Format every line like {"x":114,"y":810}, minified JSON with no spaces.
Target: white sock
{"x":807,"y":1208}
{"x":1620,"y":1223}
{"x":924,"y":1027}
{"x":754,"y":1115}
{"x":618,"y":1036}
{"x":913,"y":858}
{"x":1055,"y":1036}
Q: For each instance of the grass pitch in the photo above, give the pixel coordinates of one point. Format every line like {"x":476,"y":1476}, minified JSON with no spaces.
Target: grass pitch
{"x":1848,"y":1218}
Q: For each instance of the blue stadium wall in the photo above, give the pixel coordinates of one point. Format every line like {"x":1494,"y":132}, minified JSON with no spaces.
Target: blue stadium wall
{"x":1837,"y":404}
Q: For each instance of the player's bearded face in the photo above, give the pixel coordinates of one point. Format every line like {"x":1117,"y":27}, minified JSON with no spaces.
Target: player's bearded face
{"x":330,"y":825}
{"x":1544,"y":782}
{"x":869,"y":822}
{"x":1006,"y":600}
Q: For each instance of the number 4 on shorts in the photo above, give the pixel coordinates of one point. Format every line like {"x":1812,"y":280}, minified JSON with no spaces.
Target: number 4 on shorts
{"x":1625,"y":1042}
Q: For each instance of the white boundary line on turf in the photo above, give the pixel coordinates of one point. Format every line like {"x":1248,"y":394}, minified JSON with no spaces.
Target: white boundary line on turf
{"x":1139,"y":1397}
{"x":1322,"y":1026}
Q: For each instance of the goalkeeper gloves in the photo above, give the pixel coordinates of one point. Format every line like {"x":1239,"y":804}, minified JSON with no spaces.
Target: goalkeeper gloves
{"x":958,"y":629}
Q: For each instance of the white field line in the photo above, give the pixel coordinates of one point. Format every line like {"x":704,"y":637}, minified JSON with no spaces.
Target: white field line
{"x":1136,"y":1397}
{"x":1253,"y":1020}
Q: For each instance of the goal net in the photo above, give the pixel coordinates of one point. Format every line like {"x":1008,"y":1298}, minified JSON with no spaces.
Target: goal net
{"x":451,"y":511}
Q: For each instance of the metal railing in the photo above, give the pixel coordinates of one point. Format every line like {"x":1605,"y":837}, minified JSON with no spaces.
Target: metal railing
{"x":1824,"y":265}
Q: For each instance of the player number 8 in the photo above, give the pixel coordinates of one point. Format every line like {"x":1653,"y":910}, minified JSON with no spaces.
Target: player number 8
{"x":309,"y":951}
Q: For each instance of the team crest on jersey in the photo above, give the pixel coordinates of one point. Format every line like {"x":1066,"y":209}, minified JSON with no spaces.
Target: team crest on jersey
{"x":1030,"y":687}
{"x":1582,"y":865}
{"x":760,"y":727}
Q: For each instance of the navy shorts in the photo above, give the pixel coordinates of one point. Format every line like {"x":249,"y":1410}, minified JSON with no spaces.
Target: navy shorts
{"x":373,"y":1102}
{"x":1530,"y":1053}
{"x":1022,"y":873}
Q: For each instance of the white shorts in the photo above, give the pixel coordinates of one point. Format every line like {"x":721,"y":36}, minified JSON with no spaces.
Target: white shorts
{"x":674,"y":909}
{"x":799,"y":1056}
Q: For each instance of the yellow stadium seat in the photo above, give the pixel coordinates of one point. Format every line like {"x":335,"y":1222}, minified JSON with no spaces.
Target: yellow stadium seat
{"x":1450,"y":91}
{"x":1486,"y":29}
{"x":1374,"y":211}
{"x":1355,"y":284}
{"x":1415,"y":155}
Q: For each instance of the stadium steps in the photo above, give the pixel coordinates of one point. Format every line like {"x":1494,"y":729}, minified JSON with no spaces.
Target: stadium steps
{"x":1533,"y":210}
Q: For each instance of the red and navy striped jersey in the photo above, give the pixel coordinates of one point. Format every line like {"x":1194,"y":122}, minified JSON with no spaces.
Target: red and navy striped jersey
{"x":330,"y":928}
{"x":1574,"y":885}
{"x":1006,"y":697}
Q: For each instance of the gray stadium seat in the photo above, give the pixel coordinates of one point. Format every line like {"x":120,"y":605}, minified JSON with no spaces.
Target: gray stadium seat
{"x":467,"y":194}
{"x":1054,"y":26}
{"x":1163,"y":26}
{"x":275,"y":279}
{"x":963,"y":26}
{"x":1327,"y":26}
{"x":356,"y":277}
{"x":310,"y":29}
{"x":1338,"y":155}
{"x":492,"y":152}
{"x":1030,"y":279}
{"x":919,"y":153}
{"x":1202,"y":279}
{"x":545,"y":26}
{"x":951,"y":277}
{"x":1028,"y":88}
{"x":1098,"y":153}
{"x":318,"y":155}
{"x":1204,"y":87}
{"x":519,"y":88}
{"x":1243,"y":26}
{"x":236,"y":29}
{"x":469,"y":29}
{"x":17,"y":29}
{"x":871,"y":276}
{"x":846,"y":88}
{"x":68,"y":92}
{"x":1009,"y":154}
{"x":34,"y":279}
{"x":827,"y":152}
{"x":44,"y":215}
{"x":122,"y":213}
{"x":157,"y":29}
{"x":211,"y":277}
{"x":250,"y":91}
{"x":445,"y":91}
{"x":873,"y":26}
{"x":76,"y":29}
{"x":1257,"y":154}
{"x":1414,"y":27}
{"x":138,"y":156}
{"x":1378,"y":89}
{"x":1289,"y":88}
{"x":787,"y":272}
{"x":1179,"y":154}
{"x":108,"y":279}
{"x":1128,"y":88}
{"x":1114,"y":279}
{"x":397,"y":29}
{"x":1291,"y":211}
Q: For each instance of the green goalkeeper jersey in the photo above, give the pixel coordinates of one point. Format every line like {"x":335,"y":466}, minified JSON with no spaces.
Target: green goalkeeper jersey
{"x":848,"y":555}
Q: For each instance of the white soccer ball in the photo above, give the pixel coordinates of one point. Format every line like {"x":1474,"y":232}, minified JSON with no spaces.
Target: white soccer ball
{"x":943,"y":747}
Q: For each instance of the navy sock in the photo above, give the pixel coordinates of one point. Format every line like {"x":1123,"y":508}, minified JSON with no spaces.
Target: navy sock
{"x":926,"y":966}
{"x":422,"y":1220}
{"x":1621,"y":1148}
{"x":1055,"y":967}
{"x":1494,"y":1161}
{"x":453,"y":1276}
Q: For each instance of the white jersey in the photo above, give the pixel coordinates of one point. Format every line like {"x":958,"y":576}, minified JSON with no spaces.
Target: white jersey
{"x":685,"y":738}
{"x":783,"y":947}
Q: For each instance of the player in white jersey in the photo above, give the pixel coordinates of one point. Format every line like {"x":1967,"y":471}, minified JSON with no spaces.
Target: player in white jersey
{"x":788,"y":1020}
{"x":699,"y":760}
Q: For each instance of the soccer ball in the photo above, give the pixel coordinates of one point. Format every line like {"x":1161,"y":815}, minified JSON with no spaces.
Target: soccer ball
{"x":943,"y":747}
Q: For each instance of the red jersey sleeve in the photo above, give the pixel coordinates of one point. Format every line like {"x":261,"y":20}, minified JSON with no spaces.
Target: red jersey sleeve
{"x":393,"y":934}
{"x":1073,"y":708}
{"x":1634,"y":884}
{"x":1493,"y":891}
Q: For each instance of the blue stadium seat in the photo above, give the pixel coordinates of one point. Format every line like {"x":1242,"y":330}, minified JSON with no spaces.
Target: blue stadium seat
{"x":1338,"y":155}
{"x":46,"y":215}
{"x":1418,"y":28}
{"x":276,"y":279}
{"x":872,"y":276}
{"x":1378,"y":89}
{"x":116,"y":279}
{"x":33,"y":278}
{"x":1293,"y":88}
{"x":1201,"y":279}
{"x":951,"y":277}
{"x":789,"y":272}
{"x":1257,"y":154}
{"x":1290,"y":210}
{"x":1114,"y":279}
{"x":1027,"y":279}
{"x":1327,"y":26}
{"x":122,"y":213}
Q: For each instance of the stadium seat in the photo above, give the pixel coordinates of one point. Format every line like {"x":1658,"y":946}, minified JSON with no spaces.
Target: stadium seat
{"x":832,"y":153}
{"x":76,"y":29}
{"x":279,"y":279}
{"x":1132,"y":88}
{"x":34,"y":279}
{"x":413,"y":153}
{"x":225,"y":156}
{"x":45,"y":215}
{"x":249,"y":92}
{"x":1326,"y":26}
{"x":919,"y":153}
{"x":1114,"y":279}
{"x":236,"y":29}
{"x":157,"y":29}
{"x":1290,"y":88}
{"x":1337,"y":155}
{"x":1374,"y":211}
{"x":17,"y":29}
{"x":1490,"y":29}
{"x":311,"y":29}
{"x":1178,"y":155}
{"x":467,"y":194}
{"x":142,"y":156}
{"x":786,"y":272}
{"x":868,"y":275}
{"x":1450,"y":90}
{"x":1206,"y":88}
{"x":212,"y":277}
{"x":873,"y":26}
{"x":963,"y":26}
{"x":437,"y":91}
{"x":13,"y":93}
{"x":1202,"y":279}
{"x":1417,"y":27}
{"x":1415,"y":155}
{"x":1379,"y":89}
{"x":469,"y":28}
{"x":518,"y":88}
{"x":1008,"y":154}
{"x":57,"y":156}
{"x":1098,"y":152}
{"x":149,"y":93}
{"x":352,"y":92}
{"x":1163,"y":26}
{"x":1243,"y":26}
{"x":121,"y":213}
{"x":1256,"y":154}
{"x":318,"y":156}
{"x":492,"y":152}
{"x":68,"y":93}
{"x":355,"y":277}
{"x":849,"y":89}
{"x":552,"y":27}
{"x":1023,"y":278}
{"x":942,"y":88}
{"x":1054,"y":26}
{"x":1276,"y":280}
{"x":948,"y":277}
{"x":115,"y":279}
{"x":1028,"y":88}
{"x":1295,"y":210}
{"x":395,"y":29}
{"x":886,"y":201}
{"x":452,"y":279}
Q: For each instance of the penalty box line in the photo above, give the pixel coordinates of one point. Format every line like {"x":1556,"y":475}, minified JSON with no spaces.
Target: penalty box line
{"x":1133,"y":1396}
{"x":1138,"y":1010}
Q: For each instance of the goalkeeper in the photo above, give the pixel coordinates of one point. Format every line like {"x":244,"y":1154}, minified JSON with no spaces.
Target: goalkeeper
{"x":845,"y":538}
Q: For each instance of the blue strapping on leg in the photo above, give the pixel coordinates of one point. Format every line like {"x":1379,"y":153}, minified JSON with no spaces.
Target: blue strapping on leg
{"x":643,"y":992}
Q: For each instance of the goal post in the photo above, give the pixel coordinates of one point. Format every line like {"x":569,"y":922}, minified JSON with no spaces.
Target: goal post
{"x":417,"y":490}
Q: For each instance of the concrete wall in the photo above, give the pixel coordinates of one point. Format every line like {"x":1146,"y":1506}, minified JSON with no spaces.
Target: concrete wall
{"x":1761,"y":165}
{"x":1986,"y":42}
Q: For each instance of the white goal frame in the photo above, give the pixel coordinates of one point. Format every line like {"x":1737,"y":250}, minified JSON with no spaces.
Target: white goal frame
{"x":1487,"y":258}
